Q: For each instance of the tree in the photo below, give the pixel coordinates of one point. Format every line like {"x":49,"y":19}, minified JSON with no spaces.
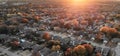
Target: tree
{"x":117,"y":26}
{"x":101,"y":17}
{"x":37,"y":18}
{"x":46,"y":36}
{"x":68,"y":52}
{"x":98,"y":54}
{"x":75,"y":22}
{"x":89,"y":48}
{"x":24,"y":20}
{"x":15,"y":43}
{"x":80,"y":50}
{"x":57,"y":42}
{"x":67,"y":25}
{"x":50,"y":43}
{"x":104,"y":29}
{"x":83,"y":22}
{"x":112,"y":30}
{"x":55,"y":48}
{"x":61,"y":22}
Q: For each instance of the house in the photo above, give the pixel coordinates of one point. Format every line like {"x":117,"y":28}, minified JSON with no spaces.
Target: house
{"x":117,"y":50}
{"x":98,"y":49}
{"x":37,"y":47}
{"x":65,"y":40}
{"x":75,"y":42}
{"x":3,"y":38}
{"x":56,"y":37}
{"x":54,"y":54}
{"x":45,"y":51}
{"x":26,"y":45}
{"x":106,"y":51}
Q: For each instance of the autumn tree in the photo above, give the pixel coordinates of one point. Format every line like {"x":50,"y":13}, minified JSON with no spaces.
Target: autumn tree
{"x":110,"y":32}
{"x":89,"y":48}
{"x":68,"y":52}
{"x":37,"y":18}
{"x":46,"y":36}
{"x":98,"y":54}
{"x":24,"y":20}
{"x":80,"y":50}
{"x":67,"y":25}
{"x":104,"y":29}
{"x":55,"y":48}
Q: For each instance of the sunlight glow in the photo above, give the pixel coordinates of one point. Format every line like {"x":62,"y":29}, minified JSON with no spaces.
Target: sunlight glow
{"x":80,"y":2}
{"x":79,"y":5}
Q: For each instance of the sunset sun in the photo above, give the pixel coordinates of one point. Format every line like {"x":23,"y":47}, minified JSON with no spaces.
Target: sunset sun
{"x":79,"y":2}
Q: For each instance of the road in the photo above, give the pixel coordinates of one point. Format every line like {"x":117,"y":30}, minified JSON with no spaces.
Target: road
{"x":5,"y":50}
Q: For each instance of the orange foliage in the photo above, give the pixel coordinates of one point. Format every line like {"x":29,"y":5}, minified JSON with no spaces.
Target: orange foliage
{"x":67,"y":25}
{"x":83,"y":22}
{"x":112,"y":30}
{"x":36,"y":18}
{"x":80,"y":49}
{"x":76,"y":49}
{"x":104,"y":29}
{"x":24,"y":20}
{"x":98,"y":54}
{"x":46,"y":36}
{"x":15,"y":43}
{"x":75,"y":22}
{"x":89,"y":47}
{"x":68,"y":52}
{"x":108,"y":29}
{"x":55,"y":48}
{"x":100,"y":17}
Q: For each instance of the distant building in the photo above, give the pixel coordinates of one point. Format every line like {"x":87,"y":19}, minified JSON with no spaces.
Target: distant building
{"x":117,"y":50}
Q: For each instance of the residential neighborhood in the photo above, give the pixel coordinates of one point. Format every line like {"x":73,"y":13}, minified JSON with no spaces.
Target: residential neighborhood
{"x":59,"y":28}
